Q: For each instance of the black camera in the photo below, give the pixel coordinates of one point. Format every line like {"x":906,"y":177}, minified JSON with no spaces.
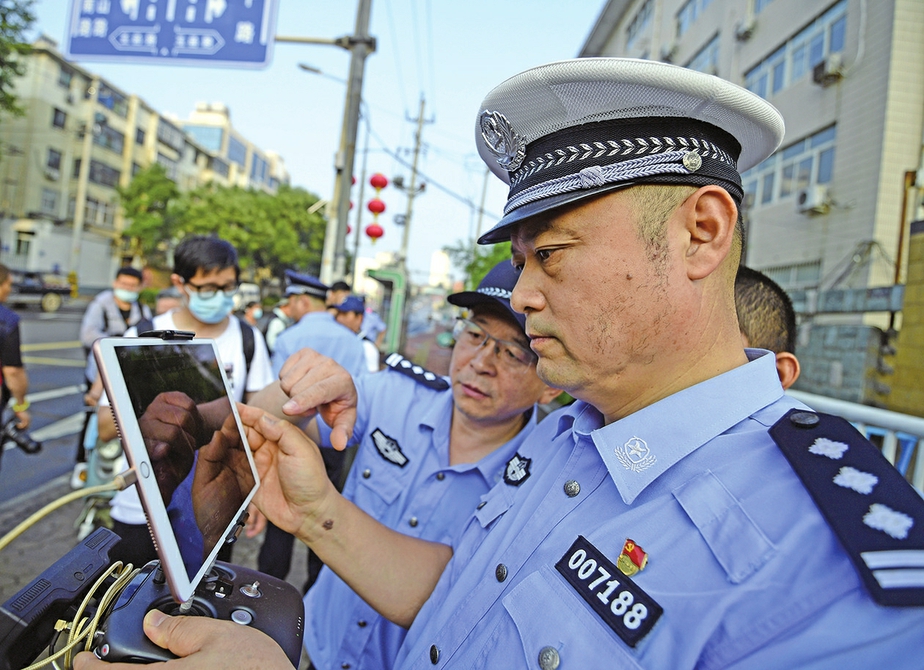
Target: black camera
{"x":19,"y":438}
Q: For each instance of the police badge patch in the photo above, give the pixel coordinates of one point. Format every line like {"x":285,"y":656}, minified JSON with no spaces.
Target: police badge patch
{"x":388,"y":448}
{"x":635,"y":455}
{"x":517,"y":470}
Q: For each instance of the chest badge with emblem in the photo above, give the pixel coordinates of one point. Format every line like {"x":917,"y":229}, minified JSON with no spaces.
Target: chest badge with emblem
{"x":618,"y":601}
{"x":635,"y":455}
{"x":517,"y":470}
{"x":633,"y":559}
{"x":388,"y":448}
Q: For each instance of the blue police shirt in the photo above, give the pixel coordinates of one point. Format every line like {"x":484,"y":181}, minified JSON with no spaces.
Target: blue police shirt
{"x":743,"y":571}
{"x":401,"y":476}
{"x":321,"y":332}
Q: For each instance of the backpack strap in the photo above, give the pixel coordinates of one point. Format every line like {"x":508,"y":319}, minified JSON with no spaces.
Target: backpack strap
{"x":143,"y":326}
{"x":249,"y":342}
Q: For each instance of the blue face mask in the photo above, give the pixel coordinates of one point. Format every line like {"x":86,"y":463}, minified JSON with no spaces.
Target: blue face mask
{"x":258,"y":313}
{"x":211,"y":310}
{"x":124,"y":295}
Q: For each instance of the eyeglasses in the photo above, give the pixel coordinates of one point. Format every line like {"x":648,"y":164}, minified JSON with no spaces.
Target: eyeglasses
{"x":509,"y":354}
{"x":207,"y":291}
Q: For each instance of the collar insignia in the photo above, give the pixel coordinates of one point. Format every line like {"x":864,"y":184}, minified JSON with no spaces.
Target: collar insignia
{"x":517,"y":470}
{"x":388,"y":448}
{"x":508,"y":148}
{"x":635,"y":455}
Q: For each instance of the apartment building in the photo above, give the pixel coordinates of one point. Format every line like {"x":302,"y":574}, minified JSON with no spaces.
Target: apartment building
{"x":827,"y":216}
{"x":80,"y":138}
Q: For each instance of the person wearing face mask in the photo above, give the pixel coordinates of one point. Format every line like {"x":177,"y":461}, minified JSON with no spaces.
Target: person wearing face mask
{"x":109,"y":314}
{"x":206,"y":273}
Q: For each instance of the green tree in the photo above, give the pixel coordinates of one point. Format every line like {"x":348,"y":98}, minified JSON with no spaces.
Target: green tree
{"x":15,"y":19}
{"x":149,"y":202}
{"x":476,"y":261}
{"x":269,"y":231}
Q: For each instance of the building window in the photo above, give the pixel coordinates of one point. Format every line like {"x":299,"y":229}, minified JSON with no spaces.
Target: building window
{"x":135,"y":169}
{"x":65,"y":76}
{"x":109,"y":138}
{"x":689,"y":13}
{"x":170,"y":135}
{"x":53,"y":162}
{"x":707,"y":59}
{"x":170,"y":165}
{"x":23,"y":242}
{"x":104,"y":175}
{"x":210,"y":137}
{"x":796,"y":276}
{"x":139,"y":137}
{"x":113,"y":100}
{"x":49,"y":203}
{"x":792,"y":61}
{"x":98,"y":213}
{"x":639,"y":25}
{"x":76,"y":173}
{"x":258,"y":169}
{"x":237,"y":151}
{"x":802,"y":164}
{"x":58,"y":118}
{"x":219,"y":166}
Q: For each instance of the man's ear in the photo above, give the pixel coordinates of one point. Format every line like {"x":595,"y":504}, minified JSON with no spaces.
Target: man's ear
{"x":176,"y":280}
{"x":548,"y":395}
{"x":787,"y":367}
{"x":710,"y":215}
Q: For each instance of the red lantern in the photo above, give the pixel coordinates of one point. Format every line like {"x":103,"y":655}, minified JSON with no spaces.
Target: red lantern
{"x":351,"y":204}
{"x":353,"y":180}
{"x":376,"y":206}
{"x":378,"y":181}
{"x":374,"y":231}
{"x":349,"y":229}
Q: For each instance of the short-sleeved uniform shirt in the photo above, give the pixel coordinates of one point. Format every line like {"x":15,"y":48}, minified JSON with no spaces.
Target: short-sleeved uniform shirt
{"x":740,"y":560}
{"x":321,"y":332}
{"x":9,"y":338}
{"x":401,"y":476}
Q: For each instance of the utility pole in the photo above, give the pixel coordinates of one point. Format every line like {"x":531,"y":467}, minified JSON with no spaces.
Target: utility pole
{"x":333,"y":260}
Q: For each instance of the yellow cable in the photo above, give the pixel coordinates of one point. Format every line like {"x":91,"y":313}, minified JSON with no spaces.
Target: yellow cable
{"x":120,"y":482}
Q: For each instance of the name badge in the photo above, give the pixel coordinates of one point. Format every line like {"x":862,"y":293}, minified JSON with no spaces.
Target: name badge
{"x":615,"y":598}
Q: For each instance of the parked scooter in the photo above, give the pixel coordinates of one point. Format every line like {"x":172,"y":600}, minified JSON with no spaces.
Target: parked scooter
{"x":104,"y":461}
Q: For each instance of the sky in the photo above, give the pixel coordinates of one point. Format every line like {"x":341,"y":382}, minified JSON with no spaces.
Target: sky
{"x":447,"y":52}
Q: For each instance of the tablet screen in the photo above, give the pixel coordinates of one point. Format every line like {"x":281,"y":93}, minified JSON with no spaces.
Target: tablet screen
{"x":179,"y":425}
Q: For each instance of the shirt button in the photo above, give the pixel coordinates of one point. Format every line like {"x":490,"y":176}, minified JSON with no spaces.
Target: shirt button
{"x":441,"y":476}
{"x":361,"y":623}
{"x":367,"y":473}
{"x":804,"y":419}
{"x":482,"y":504}
{"x":345,"y":666}
{"x":549,"y":658}
{"x":500,"y":572}
{"x":413,"y":522}
{"x":572,"y":488}
{"x":434,"y":654}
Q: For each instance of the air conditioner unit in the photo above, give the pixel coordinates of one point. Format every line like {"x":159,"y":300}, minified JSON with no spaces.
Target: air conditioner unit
{"x":52,"y":174}
{"x":744,"y":30}
{"x":668,"y":51}
{"x":829,"y":71}
{"x":813,"y":200}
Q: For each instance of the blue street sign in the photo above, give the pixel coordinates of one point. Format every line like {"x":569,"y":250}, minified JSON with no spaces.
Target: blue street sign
{"x":238,"y":33}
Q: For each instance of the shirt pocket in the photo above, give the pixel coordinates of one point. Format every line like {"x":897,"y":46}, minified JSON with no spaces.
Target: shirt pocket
{"x":549,"y":616}
{"x":380,"y":489}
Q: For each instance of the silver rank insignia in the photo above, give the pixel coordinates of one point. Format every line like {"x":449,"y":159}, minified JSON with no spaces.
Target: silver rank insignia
{"x":517,"y":470}
{"x":635,"y":455}
{"x":388,"y":448}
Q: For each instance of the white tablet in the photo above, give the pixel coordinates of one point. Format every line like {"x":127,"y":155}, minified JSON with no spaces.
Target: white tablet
{"x":183,"y":437}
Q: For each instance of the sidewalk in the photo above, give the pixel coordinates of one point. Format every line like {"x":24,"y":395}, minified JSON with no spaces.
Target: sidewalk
{"x":53,"y":536}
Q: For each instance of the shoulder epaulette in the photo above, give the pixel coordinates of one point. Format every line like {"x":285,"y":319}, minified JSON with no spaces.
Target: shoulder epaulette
{"x":875,"y":513}
{"x":429,"y":379}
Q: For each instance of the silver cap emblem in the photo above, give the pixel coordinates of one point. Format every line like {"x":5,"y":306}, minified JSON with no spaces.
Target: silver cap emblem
{"x":500,"y":138}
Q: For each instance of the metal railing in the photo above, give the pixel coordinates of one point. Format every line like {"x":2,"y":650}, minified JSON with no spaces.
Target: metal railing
{"x":901,"y":436}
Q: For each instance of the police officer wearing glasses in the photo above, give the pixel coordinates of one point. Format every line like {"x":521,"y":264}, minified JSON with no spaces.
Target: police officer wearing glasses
{"x":429,"y":447}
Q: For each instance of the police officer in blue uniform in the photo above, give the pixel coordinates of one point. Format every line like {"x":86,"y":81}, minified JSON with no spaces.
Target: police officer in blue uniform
{"x":429,"y":448}
{"x":684,"y":512}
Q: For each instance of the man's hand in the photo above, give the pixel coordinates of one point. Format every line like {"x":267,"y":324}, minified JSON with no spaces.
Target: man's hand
{"x":316,"y":382}
{"x":172,"y":431}
{"x":294,"y":487}
{"x":201,"y":642}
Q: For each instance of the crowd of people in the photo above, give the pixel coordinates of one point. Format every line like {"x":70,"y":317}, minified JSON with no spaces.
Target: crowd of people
{"x":679,"y":511}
